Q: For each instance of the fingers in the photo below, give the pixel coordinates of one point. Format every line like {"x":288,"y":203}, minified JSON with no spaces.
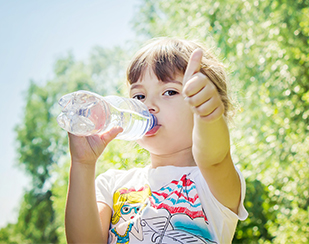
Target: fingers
{"x":87,"y":149}
{"x":211,"y":110}
{"x":200,"y":92}
{"x":194,"y":85}
{"x":108,"y":136}
{"x":194,"y":64}
{"x":196,"y":96}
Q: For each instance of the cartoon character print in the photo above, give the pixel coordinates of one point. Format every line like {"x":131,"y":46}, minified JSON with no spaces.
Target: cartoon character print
{"x":128,"y":205}
{"x":173,"y":214}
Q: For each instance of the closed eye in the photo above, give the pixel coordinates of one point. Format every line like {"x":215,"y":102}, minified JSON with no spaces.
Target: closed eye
{"x":170,"y":93}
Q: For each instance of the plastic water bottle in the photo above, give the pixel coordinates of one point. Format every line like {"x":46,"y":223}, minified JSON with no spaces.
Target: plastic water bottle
{"x":86,"y":113}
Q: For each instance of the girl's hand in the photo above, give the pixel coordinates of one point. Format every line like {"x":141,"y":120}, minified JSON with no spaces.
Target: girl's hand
{"x":199,"y":91}
{"x":87,"y":149}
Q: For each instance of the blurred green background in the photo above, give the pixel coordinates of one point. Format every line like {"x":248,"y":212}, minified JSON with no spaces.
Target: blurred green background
{"x":265,"y":47}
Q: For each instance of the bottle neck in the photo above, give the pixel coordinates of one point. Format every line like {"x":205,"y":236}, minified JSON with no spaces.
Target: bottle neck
{"x":153,"y":120}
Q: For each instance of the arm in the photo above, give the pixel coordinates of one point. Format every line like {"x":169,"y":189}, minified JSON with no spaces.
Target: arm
{"x":83,"y":215}
{"x":211,"y":142}
{"x":82,"y":220}
{"x":211,"y":150}
{"x":105,"y":213}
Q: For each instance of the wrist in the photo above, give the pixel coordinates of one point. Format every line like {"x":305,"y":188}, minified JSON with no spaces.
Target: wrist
{"x":83,"y":165}
{"x":86,"y":163}
{"x":82,"y":175}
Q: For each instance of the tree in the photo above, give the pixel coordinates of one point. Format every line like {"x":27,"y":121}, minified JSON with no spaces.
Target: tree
{"x":43,"y":146}
{"x":265,"y":46}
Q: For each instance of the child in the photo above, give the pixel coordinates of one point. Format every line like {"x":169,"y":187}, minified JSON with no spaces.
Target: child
{"x":191,"y":192}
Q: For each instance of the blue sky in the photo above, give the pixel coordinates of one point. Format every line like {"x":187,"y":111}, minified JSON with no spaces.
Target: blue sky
{"x":33,"y":35}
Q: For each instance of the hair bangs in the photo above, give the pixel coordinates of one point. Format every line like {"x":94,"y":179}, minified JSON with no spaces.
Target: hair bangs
{"x":166,"y":64}
{"x":165,"y":59}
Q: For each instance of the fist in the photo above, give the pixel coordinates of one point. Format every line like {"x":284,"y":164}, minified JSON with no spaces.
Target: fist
{"x":200,"y":92}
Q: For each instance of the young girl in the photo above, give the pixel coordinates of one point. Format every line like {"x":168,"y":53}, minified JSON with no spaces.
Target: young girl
{"x":191,"y":192}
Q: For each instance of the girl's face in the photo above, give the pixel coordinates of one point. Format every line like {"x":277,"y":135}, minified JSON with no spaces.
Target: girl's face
{"x":175,"y":119}
{"x":129,"y":211}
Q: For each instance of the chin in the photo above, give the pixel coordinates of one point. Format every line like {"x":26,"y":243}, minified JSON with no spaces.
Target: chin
{"x":162,"y":149}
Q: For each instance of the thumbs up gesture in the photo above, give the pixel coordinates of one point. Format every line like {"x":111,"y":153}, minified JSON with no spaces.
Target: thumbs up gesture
{"x":199,"y":91}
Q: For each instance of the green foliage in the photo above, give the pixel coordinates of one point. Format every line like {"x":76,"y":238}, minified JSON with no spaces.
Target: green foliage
{"x":108,"y":68}
{"x":8,"y":235}
{"x":36,"y":218}
{"x":42,"y":145}
{"x":257,"y":206}
{"x":265,"y":47}
{"x":122,"y":155}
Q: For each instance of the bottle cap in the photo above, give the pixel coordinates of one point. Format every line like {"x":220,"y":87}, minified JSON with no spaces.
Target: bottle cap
{"x":154,"y":121}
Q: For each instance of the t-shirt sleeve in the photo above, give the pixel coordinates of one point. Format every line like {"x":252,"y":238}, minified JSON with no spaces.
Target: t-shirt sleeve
{"x":229,"y":214}
{"x":242,"y":212}
{"x":104,"y":183}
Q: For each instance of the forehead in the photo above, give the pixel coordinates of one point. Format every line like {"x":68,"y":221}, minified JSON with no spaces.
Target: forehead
{"x":149,"y":78}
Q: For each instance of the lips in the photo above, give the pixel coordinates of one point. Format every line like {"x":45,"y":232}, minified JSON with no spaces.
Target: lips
{"x":153,"y":131}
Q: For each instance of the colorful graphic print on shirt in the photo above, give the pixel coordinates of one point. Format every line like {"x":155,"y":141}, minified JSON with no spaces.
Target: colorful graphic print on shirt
{"x":173,"y":214}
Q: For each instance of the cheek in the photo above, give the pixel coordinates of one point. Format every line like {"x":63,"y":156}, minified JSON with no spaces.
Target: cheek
{"x":176,"y":132}
{"x":183,"y":119}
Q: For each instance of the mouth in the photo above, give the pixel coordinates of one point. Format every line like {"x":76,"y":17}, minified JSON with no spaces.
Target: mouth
{"x":153,"y":131}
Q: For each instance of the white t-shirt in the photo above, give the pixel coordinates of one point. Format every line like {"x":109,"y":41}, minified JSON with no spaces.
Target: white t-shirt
{"x":166,"y":205}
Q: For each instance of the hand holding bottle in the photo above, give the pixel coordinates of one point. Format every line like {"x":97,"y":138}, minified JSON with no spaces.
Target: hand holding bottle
{"x":87,"y":149}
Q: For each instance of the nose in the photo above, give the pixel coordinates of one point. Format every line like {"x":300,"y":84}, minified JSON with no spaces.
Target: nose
{"x":152,"y":106}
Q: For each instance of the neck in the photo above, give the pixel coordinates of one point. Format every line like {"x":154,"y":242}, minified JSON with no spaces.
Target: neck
{"x":183,"y":158}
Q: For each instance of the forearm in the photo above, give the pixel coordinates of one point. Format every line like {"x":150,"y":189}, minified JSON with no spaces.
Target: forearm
{"x":211,"y":141}
{"x":82,"y":219}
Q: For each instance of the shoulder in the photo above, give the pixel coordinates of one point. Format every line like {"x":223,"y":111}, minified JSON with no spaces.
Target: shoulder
{"x":110,"y":181}
{"x":112,"y":176}
{"x":119,"y":172}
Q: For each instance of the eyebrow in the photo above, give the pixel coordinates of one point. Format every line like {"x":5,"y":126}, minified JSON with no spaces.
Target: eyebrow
{"x":136,"y":86}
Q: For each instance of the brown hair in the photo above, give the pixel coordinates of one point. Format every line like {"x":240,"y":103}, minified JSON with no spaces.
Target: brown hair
{"x":168,"y":57}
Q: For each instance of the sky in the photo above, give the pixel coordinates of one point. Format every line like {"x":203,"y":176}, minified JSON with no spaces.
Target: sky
{"x":33,"y":34}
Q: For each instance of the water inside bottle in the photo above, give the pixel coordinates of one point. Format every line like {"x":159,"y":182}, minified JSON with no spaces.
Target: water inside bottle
{"x":130,"y":114}
{"x":135,"y":125}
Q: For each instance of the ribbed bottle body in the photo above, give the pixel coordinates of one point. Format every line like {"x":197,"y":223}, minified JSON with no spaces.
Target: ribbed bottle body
{"x":85,"y":113}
